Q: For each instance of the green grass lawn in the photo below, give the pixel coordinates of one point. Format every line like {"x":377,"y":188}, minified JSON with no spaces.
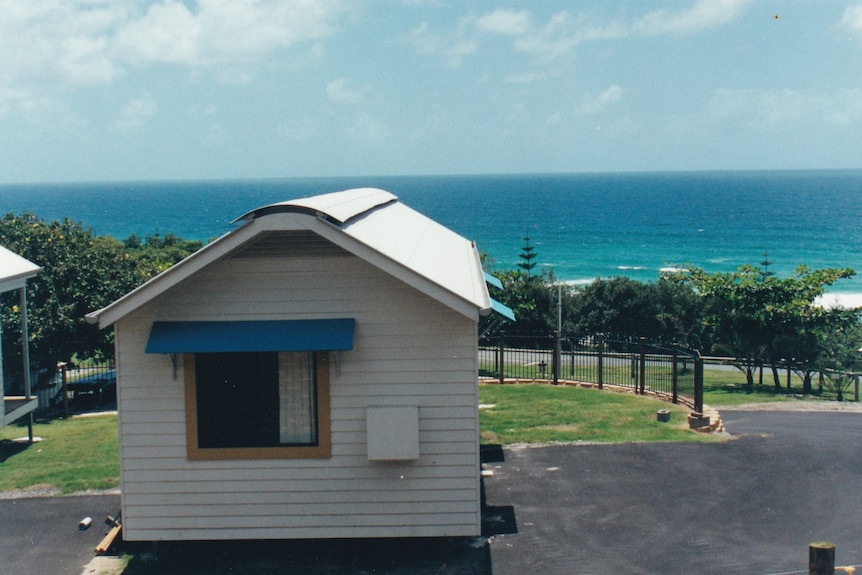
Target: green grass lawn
{"x":725,"y":388}
{"x":75,"y":454}
{"x":538,"y":413}
{"x":81,"y":453}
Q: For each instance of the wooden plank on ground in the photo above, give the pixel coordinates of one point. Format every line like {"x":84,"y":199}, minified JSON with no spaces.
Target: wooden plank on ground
{"x":109,"y":539}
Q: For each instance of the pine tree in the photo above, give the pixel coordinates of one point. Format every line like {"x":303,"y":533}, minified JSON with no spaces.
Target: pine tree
{"x":527,"y":256}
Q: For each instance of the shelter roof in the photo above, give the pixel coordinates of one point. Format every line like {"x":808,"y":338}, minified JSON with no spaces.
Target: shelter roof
{"x":15,"y":270}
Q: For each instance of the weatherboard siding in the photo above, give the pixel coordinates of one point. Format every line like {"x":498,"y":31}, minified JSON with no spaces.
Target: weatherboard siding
{"x":408,"y":350}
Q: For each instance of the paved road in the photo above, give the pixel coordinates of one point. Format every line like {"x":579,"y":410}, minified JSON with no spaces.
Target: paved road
{"x":40,"y":535}
{"x":748,"y":506}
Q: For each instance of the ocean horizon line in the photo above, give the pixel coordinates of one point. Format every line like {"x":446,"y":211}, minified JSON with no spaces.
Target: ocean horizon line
{"x":298,"y":178}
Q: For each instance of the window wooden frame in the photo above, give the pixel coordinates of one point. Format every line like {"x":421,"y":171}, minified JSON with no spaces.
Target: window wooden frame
{"x":322,"y":450}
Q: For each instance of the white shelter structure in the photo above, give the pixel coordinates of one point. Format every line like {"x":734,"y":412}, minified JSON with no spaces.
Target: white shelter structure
{"x":14,"y":273}
{"x":311,"y":374}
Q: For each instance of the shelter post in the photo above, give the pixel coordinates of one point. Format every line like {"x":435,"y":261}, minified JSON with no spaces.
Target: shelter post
{"x":25,"y":355}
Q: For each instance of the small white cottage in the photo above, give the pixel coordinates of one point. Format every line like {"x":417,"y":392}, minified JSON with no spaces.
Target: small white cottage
{"x":14,"y":273}
{"x":311,"y":374}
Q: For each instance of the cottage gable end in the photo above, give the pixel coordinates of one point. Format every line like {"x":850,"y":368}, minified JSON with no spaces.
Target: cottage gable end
{"x":368,"y":223}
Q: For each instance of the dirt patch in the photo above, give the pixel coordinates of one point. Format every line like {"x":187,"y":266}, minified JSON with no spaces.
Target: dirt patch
{"x":35,"y":491}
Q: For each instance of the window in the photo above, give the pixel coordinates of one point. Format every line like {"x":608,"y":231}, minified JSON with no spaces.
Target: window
{"x":257,"y":405}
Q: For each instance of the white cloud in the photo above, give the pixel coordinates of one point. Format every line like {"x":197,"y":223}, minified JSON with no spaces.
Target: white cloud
{"x":224,"y":31}
{"x":785,"y":109}
{"x":845,"y":108}
{"x":215,"y":136}
{"x":367,"y":129}
{"x":342,"y":92}
{"x":54,"y":45}
{"x":464,"y":40}
{"x":564,"y":31}
{"x":523,"y":78}
{"x":594,"y":104}
{"x":453,"y":48}
{"x":47,"y":115}
{"x":505,"y":22}
{"x":431,"y":3}
{"x":704,"y":14}
{"x":852,"y":19}
{"x":136,"y":113}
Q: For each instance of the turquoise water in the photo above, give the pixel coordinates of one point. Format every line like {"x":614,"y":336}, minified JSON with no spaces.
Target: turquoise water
{"x":583,"y":225}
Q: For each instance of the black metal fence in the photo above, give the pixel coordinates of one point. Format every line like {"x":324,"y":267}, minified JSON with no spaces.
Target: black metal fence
{"x":85,"y":386}
{"x":645,"y":367}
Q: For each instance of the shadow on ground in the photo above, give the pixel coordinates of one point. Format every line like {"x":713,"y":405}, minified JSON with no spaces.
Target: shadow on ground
{"x":10,"y":448}
{"x":302,"y":557}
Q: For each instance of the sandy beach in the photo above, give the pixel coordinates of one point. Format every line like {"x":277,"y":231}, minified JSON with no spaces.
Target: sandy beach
{"x":847,"y":300}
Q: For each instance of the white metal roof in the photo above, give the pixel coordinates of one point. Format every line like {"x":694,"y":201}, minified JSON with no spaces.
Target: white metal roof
{"x":370,"y":223}
{"x":15,"y":270}
{"x":337,"y":207}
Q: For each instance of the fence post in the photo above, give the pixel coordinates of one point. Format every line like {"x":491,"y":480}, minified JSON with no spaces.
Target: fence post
{"x":601,"y":343}
{"x":788,"y":374}
{"x":698,"y":383}
{"x":557,"y":358}
{"x":642,"y":374}
{"x":821,"y":558}
{"x":64,"y":381}
{"x":674,"y":382}
{"x":500,"y":355}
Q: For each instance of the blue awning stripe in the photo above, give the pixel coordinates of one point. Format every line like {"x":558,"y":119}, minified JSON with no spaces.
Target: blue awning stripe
{"x":502,"y":310}
{"x":492,"y":281}
{"x":239,"y":336}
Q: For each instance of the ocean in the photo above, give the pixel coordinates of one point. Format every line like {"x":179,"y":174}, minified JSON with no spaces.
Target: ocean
{"x":583,"y":226}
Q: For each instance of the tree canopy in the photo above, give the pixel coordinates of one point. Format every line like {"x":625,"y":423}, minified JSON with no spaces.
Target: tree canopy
{"x":751,"y":314}
{"x":759,"y":318}
{"x":82,"y":272}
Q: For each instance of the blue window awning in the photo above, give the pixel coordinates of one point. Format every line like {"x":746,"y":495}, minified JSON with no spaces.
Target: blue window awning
{"x":492,"y":281}
{"x":502,"y":309}
{"x":239,"y":336}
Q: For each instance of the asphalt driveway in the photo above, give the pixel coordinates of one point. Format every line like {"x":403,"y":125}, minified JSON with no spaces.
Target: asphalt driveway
{"x":40,"y":535}
{"x":748,"y":506}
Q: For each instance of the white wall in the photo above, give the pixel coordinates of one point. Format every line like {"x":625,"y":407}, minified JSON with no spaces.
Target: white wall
{"x":408,"y":350}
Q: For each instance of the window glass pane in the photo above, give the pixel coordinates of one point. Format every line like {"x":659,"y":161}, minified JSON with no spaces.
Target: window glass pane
{"x":262,"y":399}
{"x":237,"y":398}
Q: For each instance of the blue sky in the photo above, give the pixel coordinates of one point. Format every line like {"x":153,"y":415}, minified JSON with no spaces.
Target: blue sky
{"x":95,"y":90}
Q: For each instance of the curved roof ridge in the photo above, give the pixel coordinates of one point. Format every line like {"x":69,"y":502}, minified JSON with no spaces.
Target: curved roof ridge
{"x":337,"y":207}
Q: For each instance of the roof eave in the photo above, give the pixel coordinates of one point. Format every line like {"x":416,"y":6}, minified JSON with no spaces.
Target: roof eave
{"x":18,"y":281}
{"x":147,"y":291}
